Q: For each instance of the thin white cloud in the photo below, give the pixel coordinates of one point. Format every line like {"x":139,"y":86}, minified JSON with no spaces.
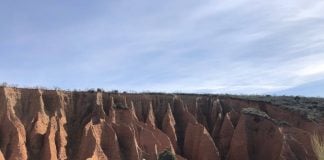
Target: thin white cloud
{"x":310,"y":65}
{"x":244,"y":46}
{"x":312,"y":10}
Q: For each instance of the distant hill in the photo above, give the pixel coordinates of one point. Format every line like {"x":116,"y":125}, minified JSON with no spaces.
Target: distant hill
{"x":312,"y":89}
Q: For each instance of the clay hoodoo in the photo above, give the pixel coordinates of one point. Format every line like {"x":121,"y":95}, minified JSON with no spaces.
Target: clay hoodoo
{"x":50,"y":124}
{"x":225,"y":136}
{"x":168,"y":127}
{"x":1,"y":156}
{"x":150,"y":119}
{"x":198,"y":144}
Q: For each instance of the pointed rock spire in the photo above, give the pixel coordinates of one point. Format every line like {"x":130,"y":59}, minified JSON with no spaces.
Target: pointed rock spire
{"x":150,"y":120}
{"x":168,"y":127}
{"x":132,"y":110}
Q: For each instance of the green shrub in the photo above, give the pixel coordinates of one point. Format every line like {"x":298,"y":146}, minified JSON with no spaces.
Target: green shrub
{"x":167,"y":155}
{"x":119,"y":106}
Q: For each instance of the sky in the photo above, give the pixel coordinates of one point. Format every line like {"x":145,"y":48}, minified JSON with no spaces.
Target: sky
{"x":204,"y":46}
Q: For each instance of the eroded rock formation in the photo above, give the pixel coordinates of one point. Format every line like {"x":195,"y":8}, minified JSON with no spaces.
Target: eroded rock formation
{"x":50,"y":124}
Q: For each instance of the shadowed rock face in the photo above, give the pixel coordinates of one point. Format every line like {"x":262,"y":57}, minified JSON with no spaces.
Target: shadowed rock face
{"x":48,"y":124}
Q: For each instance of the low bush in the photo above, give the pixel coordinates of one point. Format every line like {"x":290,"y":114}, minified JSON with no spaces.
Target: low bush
{"x":167,"y":155}
{"x":120,"y":106}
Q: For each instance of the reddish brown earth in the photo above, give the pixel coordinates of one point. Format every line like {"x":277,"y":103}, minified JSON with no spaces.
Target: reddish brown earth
{"x":49,"y":124}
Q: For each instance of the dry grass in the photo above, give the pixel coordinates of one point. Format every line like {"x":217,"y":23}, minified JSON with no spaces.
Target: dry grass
{"x":318,"y":146}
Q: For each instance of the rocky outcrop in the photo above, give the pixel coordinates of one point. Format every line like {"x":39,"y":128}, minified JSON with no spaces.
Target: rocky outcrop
{"x":51,"y":124}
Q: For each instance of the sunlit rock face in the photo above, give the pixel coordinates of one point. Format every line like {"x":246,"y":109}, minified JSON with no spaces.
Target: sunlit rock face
{"x":51,"y":124}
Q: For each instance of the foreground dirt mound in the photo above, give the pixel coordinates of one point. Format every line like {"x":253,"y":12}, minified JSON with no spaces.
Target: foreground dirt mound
{"x":48,"y":125}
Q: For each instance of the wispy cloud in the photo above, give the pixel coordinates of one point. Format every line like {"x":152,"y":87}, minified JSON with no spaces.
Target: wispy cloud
{"x":237,"y":46}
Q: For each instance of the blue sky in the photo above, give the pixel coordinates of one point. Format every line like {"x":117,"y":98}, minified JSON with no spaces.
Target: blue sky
{"x":217,"y":46}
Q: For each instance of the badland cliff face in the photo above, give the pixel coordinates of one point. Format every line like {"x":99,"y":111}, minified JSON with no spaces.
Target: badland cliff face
{"x":48,"y":125}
